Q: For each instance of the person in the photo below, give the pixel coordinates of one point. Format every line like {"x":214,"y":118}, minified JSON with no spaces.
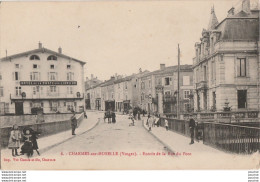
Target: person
{"x":109,"y":116}
{"x":192,"y":127}
{"x":14,"y":140}
{"x":85,"y":115}
{"x":150,"y":122}
{"x":73,"y":123}
{"x":131,"y":116}
{"x":33,"y":139}
{"x":166,"y":124}
{"x":113,"y":117}
{"x":139,"y":115}
{"x":143,"y":112}
{"x":27,"y":147}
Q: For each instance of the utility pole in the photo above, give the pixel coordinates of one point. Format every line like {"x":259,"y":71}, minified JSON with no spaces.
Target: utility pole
{"x":178,"y":92}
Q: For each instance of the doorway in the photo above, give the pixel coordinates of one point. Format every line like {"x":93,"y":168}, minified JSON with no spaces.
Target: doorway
{"x":242,"y":98}
{"x":19,"y":108}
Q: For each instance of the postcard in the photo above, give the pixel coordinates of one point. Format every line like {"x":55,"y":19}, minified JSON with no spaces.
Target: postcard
{"x":139,"y":85}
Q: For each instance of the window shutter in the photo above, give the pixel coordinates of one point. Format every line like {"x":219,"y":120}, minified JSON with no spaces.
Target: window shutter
{"x":13,"y":76}
{"x":56,"y":76}
{"x":31,"y":76}
{"x":39,"y":76}
{"x":72,"y":76}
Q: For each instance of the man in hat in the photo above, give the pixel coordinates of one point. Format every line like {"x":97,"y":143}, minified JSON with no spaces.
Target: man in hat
{"x":73,"y":123}
{"x":192,"y":128}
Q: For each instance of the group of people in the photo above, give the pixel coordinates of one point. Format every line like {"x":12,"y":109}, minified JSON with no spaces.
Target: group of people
{"x":111,"y":116}
{"x":28,"y":135}
{"x":155,"y":120}
{"x":152,"y":120}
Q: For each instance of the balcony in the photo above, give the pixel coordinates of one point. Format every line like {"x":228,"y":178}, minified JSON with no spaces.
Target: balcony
{"x":169,"y":99}
{"x":48,"y":96}
{"x":202,"y":85}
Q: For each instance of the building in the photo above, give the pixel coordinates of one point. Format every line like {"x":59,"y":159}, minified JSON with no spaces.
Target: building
{"x":126,"y":92}
{"x":158,"y":89}
{"x":93,"y":82}
{"x":41,"y":78}
{"x":226,"y":66}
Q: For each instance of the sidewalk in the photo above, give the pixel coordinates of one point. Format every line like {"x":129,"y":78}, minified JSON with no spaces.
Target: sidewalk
{"x":48,"y":142}
{"x":180,"y":143}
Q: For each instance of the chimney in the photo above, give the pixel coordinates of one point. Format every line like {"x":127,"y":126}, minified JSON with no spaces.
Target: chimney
{"x":60,"y":50}
{"x":246,"y":6}
{"x":231,"y":12}
{"x":92,"y":76}
{"x":40,"y":45}
{"x":162,"y":66}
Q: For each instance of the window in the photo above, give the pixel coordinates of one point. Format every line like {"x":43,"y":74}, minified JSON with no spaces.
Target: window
{"x":126,"y":97}
{"x":0,"y":76}
{"x":167,"y":81}
{"x":18,"y":91}
{"x":150,"y":84}
{"x":70,"y":76}
{"x":17,"y":66}
{"x":53,"y":89}
{"x":1,"y":91}
{"x":70,"y":106}
{"x":186,"y":80}
{"x":35,"y":66}
{"x":118,"y":85}
{"x":126,"y":85}
{"x":167,"y":93}
{"x":52,"y":66}
{"x":69,"y":90}
{"x":112,"y":95}
{"x":34,"y":76}
{"x":6,"y":107}
{"x":53,"y":76}
{"x":16,"y":75}
{"x":186,"y":107}
{"x":68,"y":66}
{"x":52,"y":57}
{"x":142,"y":85}
{"x":213,"y":70}
{"x":34,"y":57}
{"x":54,"y":106}
{"x":241,"y":67}
{"x":159,"y":81}
{"x":36,"y":90}
{"x":242,"y":99}
{"x":186,"y":94}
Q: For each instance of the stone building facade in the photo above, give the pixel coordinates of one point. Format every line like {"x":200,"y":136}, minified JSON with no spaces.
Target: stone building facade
{"x":41,"y":79}
{"x":226,"y":66}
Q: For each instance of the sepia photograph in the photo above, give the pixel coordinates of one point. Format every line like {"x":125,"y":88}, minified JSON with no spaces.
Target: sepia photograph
{"x":130,"y":85}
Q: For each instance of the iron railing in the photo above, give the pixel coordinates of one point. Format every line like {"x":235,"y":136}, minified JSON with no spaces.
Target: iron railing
{"x":232,"y":138}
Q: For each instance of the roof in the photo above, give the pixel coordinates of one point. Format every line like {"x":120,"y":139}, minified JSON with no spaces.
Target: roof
{"x":213,"y":22}
{"x":128,"y":78}
{"x":239,"y":28}
{"x":40,"y":50}
{"x":170,"y":69}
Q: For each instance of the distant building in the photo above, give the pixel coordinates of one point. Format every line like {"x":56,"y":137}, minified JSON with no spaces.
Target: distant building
{"x":227,"y":66}
{"x":91,"y":82}
{"x":158,"y":90}
{"x":41,"y":78}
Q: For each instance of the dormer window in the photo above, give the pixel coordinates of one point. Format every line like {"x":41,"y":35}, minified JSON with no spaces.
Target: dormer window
{"x":34,"y":57}
{"x":52,"y":57}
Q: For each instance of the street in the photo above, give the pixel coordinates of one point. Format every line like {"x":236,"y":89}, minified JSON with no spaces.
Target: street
{"x":118,"y":137}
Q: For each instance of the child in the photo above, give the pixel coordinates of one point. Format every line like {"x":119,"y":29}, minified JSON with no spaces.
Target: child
{"x":27,"y":147}
{"x":14,"y":140}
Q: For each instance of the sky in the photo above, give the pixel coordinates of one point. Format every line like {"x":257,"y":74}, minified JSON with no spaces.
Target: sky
{"x":110,"y":36}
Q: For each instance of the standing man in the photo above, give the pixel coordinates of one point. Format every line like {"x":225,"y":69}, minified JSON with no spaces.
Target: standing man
{"x":192,"y":127}
{"x":74,"y":123}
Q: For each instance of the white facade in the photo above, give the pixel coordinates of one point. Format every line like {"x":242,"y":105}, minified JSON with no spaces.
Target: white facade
{"x":29,"y":80}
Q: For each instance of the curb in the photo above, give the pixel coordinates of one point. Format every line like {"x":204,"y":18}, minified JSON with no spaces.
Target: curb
{"x":166,"y":147}
{"x":59,"y":143}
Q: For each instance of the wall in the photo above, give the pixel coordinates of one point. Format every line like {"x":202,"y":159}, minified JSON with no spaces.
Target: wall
{"x":44,"y":128}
